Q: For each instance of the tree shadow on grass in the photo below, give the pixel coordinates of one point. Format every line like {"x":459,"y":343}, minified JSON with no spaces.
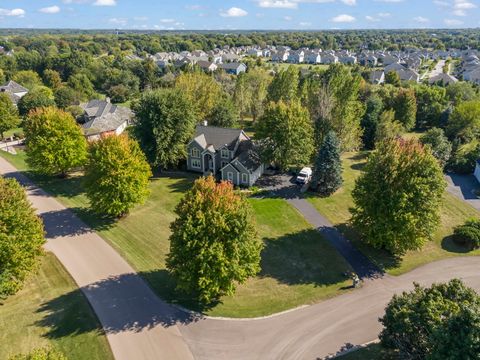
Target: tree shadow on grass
{"x":123,"y":303}
{"x":383,"y":259}
{"x":301,"y":258}
{"x":449,"y":244}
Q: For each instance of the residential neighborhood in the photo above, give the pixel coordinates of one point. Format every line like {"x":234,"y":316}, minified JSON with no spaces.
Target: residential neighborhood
{"x":179,"y":181}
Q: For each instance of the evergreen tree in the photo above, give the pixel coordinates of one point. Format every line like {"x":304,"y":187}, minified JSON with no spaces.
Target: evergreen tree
{"x":370,"y":121}
{"x":327,"y":175}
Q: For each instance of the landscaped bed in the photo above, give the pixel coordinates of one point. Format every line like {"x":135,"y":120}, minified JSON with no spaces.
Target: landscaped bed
{"x":51,"y":311}
{"x":454,"y":212}
{"x":298,"y":266}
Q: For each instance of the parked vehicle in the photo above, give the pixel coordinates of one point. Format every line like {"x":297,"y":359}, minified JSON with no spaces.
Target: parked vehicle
{"x":304,"y":176}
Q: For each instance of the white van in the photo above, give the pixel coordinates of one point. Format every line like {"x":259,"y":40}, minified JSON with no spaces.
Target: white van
{"x":304,"y":176}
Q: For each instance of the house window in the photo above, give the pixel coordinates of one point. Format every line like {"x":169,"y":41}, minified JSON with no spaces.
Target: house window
{"x":195,"y":153}
{"x":196,"y":163}
{"x":244,"y":179}
{"x":225,"y":154}
{"x":230,"y":176}
{"x":224,"y":163}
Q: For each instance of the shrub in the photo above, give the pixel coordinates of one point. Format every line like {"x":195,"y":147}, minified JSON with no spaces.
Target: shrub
{"x":468,"y":234}
{"x":47,"y":353}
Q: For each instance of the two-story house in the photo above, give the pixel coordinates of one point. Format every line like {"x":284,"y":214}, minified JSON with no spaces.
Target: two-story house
{"x":228,"y":154}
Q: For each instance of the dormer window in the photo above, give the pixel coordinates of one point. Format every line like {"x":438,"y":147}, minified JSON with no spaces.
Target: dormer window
{"x":195,"y":153}
{"x":225,"y":153}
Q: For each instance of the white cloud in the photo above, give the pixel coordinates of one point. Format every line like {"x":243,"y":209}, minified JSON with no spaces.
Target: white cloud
{"x":278,"y":4}
{"x":350,"y":2}
{"x":421,"y":19}
{"x":118,"y":21}
{"x":459,"y":12}
{"x":441,"y":3}
{"x":234,"y":12}
{"x":390,"y":1}
{"x":167,"y":21}
{"x":12,"y":12}
{"x":50,"y":9}
{"x":463,"y":5}
{"x":305,"y":24}
{"x":287,"y":18}
{"x":453,"y":22}
{"x":105,"y":3}
{"x":343,"y":18}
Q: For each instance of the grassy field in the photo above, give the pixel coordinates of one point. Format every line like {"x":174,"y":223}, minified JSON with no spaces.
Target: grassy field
{"x":336,"y":209}
{"x":298,"y":266}
{"x":50,"y":310}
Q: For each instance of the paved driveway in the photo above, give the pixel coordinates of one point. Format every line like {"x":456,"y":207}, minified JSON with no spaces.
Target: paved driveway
{"x":142,"y":327}
{"x":464,"y":187}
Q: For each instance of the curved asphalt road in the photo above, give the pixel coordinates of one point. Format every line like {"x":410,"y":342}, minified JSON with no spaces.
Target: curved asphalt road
{"x":141,"y":326}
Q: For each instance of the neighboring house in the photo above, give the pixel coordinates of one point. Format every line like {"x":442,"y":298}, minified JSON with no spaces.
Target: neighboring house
{"x":102,"y":118}
{"x":280,"y":56}
{"x":313,"y":58}
{"x":14,"y":91}
{"x":408,"y":75}
{"x":472,"y":76}
{"x":228,"y":154}
{"x":207,"y":66}
{"x":296,"y":57}
{"x":329,"y":59}
{"x":377,"y":77}
{"x":233,"y":68}
{"x":394,"y":67}
{"x":443,"y":78}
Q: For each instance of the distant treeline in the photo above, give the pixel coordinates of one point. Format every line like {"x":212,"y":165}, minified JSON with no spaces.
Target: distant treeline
{"x":100,"y":41}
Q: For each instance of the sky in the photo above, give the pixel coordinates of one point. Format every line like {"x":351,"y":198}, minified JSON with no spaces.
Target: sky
{"x":239,"y":14}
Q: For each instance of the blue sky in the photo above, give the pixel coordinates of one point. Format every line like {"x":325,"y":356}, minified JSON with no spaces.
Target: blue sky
{"x":239,"y":14}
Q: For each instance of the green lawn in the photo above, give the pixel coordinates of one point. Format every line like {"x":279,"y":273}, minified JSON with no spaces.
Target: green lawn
{"x":336,"y":209}
{"x":371,"y":352}
{"x":50,"y":310}
{"x":298,"y":266}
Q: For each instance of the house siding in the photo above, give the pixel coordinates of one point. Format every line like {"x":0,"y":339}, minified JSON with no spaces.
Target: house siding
{"x":191,"y":146}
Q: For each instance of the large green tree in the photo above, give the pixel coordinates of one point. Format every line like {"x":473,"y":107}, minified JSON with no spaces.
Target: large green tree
{"x":405,"y":106}
{"x":464,"y":122}
{"x":116,"y":175}
{"x":347,"y":110}
{"x":284,"y":85}
{"x":224,"y":114}
{"x":8,"y":114}
{"x":54,"y":142}
{"x":436,"y":323}
{"x":398,"y":197}
{"x":38,"y":97}
{"x":165,"y":124}
{"x":440,"y":146}
{"x":327,"y":174}
{"x":214,"y":244}
{"x":431,"y":104}
{"x":201,"y":90}
{"x":21,"y":237}
{"x":28,"y":78}
{"x":369,"y":123}
{"x":285,"y":133}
